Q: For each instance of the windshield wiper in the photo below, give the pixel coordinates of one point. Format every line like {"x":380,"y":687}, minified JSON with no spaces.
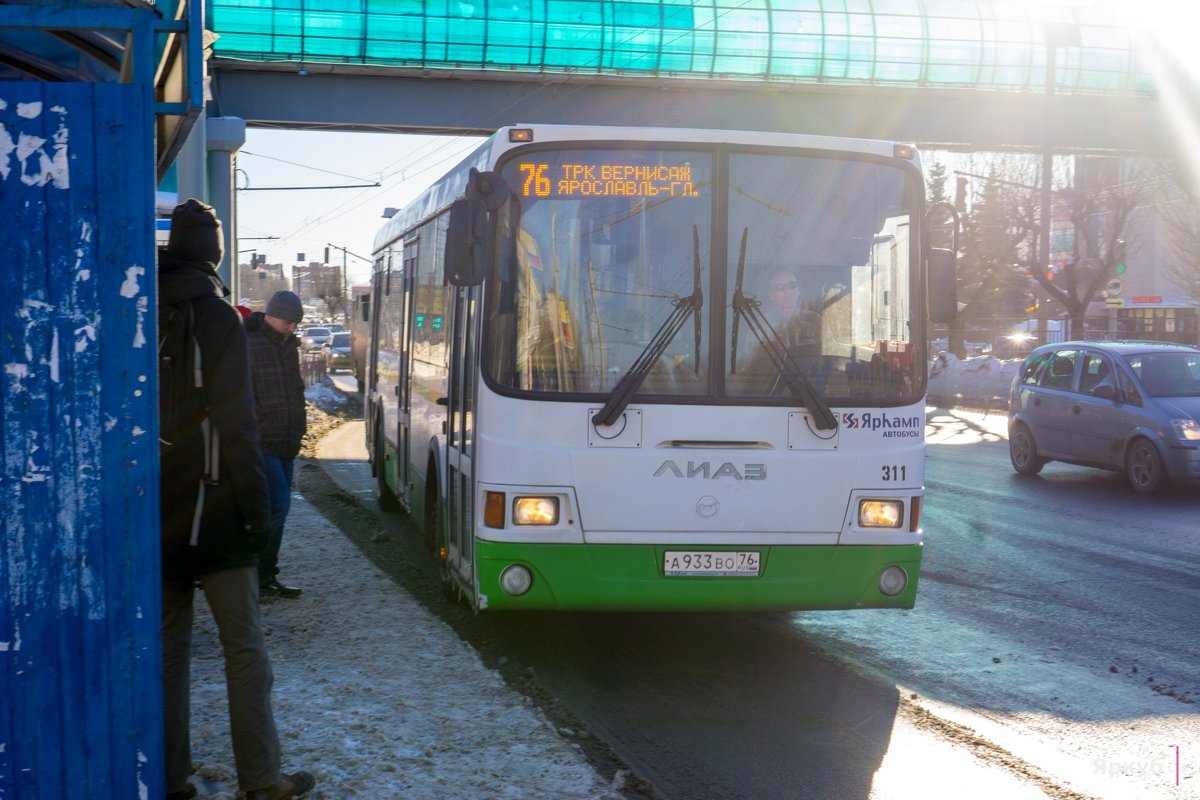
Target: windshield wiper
{"x":632,"y":380}
{"x":785,"y":363}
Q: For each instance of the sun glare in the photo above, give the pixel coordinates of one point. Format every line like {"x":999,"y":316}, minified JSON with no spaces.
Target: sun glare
{"x":1167,"y":44}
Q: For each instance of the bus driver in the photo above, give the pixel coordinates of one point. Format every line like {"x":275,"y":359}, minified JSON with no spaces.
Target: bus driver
{"x":798,"y":328}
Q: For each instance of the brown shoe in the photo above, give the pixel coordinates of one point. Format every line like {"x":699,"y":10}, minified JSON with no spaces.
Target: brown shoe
{"x":295,"y":785}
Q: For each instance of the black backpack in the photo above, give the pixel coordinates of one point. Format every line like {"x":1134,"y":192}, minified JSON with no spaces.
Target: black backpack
{"x":181,"y":403}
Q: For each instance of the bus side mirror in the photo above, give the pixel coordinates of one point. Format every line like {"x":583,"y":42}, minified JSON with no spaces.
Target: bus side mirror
{"x":470,"y":235}
{"x":941,"y":271}
{"x":466,"y":243}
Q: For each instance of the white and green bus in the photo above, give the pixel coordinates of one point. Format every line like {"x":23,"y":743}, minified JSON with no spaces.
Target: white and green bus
{"x":586,"y":387}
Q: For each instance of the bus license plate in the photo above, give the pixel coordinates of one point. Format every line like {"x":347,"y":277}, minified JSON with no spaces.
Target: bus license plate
{"x":742,"y":563}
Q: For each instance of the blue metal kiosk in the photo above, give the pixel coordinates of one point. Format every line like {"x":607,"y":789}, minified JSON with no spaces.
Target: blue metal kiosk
{"x":95,"y":98}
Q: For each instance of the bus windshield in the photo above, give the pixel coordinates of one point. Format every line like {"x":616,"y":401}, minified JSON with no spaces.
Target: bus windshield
{"x":711,"y":276}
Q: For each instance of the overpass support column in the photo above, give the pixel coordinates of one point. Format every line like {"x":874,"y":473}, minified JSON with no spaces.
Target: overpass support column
{"x":225,"y":136}
{"x":190,"y":166}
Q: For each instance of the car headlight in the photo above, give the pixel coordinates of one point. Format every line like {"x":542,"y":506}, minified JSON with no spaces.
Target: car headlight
{"x":1186,"y":429}
{"x":535,"y":511}
{"x":880,"y":513}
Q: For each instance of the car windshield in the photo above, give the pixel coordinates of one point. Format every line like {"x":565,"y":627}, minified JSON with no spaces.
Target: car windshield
{"x":341,"y":339}
{"x":1168,"y":374}
{"x":315,"y":332}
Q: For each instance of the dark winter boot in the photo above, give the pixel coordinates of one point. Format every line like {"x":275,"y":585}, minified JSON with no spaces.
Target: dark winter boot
{"x":186,"y":793}
{"x":295,"y":785}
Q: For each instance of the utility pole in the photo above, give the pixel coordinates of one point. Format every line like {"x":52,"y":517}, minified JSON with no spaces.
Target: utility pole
{"x":346,"y":277}
{"x":1058,"y":35}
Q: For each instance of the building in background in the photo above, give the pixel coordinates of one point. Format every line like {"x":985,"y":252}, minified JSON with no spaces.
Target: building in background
{"x":1146,"y":294}
{"x":321,"y":286}
{"x":257,"y":281}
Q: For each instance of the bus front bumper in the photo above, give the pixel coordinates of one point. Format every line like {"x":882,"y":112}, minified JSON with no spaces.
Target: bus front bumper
{"x":631,"y":578}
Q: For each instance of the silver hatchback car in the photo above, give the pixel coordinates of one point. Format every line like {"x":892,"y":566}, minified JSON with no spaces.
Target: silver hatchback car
{"x":1133,"y":407}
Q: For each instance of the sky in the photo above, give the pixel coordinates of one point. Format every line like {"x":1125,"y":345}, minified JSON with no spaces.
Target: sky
{"x":308,"y":220}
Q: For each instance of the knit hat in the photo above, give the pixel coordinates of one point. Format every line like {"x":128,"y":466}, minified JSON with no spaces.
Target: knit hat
{"x":286,"y":306}
{"x":196,"y":233}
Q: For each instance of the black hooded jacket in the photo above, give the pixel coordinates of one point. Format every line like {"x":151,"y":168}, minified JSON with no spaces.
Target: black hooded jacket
{"x":236,"y":516}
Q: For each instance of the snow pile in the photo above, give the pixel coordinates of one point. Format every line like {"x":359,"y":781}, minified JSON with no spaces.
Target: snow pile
{"x":378,"y":698}
{"x":326,"y":396}
{"x":982,"y":382}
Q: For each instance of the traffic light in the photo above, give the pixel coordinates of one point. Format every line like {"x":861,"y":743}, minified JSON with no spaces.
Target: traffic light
{"x":1119,"y":256}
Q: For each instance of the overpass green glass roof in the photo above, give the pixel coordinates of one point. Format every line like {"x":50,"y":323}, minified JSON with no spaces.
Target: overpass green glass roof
{"x":978,"y":44}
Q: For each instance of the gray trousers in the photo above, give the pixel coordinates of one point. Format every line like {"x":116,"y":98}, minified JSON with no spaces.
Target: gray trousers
{"x":232,"y":595}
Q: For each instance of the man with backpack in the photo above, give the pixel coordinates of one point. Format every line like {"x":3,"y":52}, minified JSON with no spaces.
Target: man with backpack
{"x":282,"y":419}
{"x":215,"y":514}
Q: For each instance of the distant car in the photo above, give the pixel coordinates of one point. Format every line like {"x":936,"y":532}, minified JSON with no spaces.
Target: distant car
{"x":337,"y":352}
{"x":335,"y":327}
{"x":1133,"y":407}
{"x":314,"y":338}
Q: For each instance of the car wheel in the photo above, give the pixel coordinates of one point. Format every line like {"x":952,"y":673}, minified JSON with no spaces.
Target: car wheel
{"x":1022,"y":451}
{"x":1144,"y":467}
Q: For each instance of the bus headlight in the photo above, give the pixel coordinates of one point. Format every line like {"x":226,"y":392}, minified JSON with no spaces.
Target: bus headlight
{"x":535,"y":511}
{"x":516,"y":580}
{"x":880,"y":513}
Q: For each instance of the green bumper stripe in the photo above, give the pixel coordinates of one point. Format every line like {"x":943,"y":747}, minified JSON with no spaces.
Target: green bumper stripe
{"x":629,"y":577}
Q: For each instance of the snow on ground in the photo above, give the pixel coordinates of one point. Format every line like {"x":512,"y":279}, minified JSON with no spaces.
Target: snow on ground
{"x":378,"y":698}
{"x":374,"y":695}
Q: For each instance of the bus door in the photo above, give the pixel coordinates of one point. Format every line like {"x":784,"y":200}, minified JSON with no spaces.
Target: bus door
{"x":460,"y":434}
{"x":404,"y":382}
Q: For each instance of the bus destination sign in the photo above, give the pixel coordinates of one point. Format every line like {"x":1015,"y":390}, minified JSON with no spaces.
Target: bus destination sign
{"x":607,"y":180}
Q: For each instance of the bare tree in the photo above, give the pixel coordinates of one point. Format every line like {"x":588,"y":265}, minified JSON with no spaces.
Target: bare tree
{"x":1178,"y":206}
{"x":1099,"y":209}
{"x":335,"y":301}
{"x":996,"y":231}
{"x":325,"y":284}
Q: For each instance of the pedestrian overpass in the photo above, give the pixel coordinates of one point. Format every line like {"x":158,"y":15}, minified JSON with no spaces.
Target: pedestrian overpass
{"x":978,"y":74}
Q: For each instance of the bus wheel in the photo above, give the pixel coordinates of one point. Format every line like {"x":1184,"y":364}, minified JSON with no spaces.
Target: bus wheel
{"x":1144,"y":468}
{"x":387,"y":498}
{"x":450,"y":589}
{"x":435,"y":515}
{"x":431,"y":530}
